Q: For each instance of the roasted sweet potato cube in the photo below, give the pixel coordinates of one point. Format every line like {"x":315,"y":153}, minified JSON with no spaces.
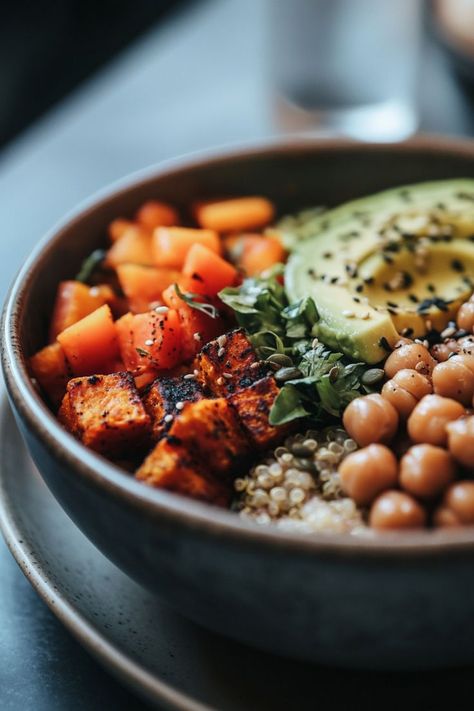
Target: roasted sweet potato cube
{"x":210,"y":431}
{"x":229,"y":364}
{"x":51,"y":370}
{"x":252,"y":406}
{"x":171,"y":466}
{"x":163,"y":396}
{"x":106,"y":413}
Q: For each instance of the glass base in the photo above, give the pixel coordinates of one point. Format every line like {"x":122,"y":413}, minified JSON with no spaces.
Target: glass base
{"x":380,"y":123}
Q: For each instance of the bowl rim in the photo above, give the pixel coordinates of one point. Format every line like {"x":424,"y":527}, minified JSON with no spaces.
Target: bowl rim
{"x":162,"y":505}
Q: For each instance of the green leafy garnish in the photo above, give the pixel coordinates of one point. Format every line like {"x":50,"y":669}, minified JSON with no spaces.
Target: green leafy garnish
{"x":90,"y":264}
{"x":190,"y":299}
{"x":329,"y":381}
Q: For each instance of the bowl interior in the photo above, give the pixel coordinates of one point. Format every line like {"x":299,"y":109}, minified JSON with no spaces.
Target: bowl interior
{"x":295,"y":174}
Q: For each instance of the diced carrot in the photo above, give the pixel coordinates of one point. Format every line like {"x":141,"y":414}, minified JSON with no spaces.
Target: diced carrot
{"x":74,"y":300}
{"x":157,"y":214}
{"x":91,"y":344}
{"x":255,"y":253}
{"x":171,"y":244}
{"x":118,"y":227}
{"x":235,"y":214}
{"x":150,"y":340}
{"x":50,"y":368}
{"x":143,"y":285}
{"x":203,"y":264}
{"x":197,"y":327}
{"x":134,"y":247}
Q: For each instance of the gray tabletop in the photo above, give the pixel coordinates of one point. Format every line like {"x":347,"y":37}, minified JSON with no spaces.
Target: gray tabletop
{"x":195,"y":82}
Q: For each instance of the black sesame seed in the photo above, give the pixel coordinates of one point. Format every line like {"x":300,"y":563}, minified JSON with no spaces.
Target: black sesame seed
{"x":457,"y":265}
{"x":359,"y":288}
{"x":431,"y":288}
{"x":413,"y":298}
{"x":327,"y":255}
{"x":369,"y":280}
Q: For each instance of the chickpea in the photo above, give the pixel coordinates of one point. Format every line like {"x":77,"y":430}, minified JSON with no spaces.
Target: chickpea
{"x":411,"y":355}
{"x":459,"y":498}
{"x":370,"y":419}
{"x":445,"y":518}
{"x":465,"y":317}
{"x":427,"y":423}
{"x":425,"y":470}
{"x":405,"y":389}
{"x":367,"y":472}
{"x":442,"y":351}
{"x":461,"y":440}
{"x":396,"y":510}
{"x":455,"y":378}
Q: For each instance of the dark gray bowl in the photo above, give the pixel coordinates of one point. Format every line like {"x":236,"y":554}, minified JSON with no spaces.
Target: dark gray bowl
{"x":390,"y":601}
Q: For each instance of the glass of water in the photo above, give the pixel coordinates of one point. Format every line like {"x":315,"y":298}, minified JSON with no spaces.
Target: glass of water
{"x":346,"y":65}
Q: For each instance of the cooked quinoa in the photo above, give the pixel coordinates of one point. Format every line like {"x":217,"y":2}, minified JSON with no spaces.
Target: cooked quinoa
{"x":297,"y":487}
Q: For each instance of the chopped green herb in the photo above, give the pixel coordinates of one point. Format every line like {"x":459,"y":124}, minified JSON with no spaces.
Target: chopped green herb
{"x":190,"y":299}
{"x":90,"y":264}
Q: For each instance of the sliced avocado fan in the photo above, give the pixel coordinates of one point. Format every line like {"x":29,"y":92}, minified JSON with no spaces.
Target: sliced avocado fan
{"x":398,"y":262}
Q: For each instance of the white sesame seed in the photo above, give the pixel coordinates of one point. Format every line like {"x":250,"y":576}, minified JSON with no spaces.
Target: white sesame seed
{"x":348,"y":314}
{"x":255,"y":365}
{"x":220,"y":381}
{"x":179,"y":405}
{"x":222,"y":340}
{"x":221,"y":352}
{"x":195,"y":371}
{"x":168,"y":418}
{"x":189,"y":376}
{"x":197,"y":336}
{"x":227,"y":375}
{"x":94,"y":291}
{"x":149,"y":342}
{"x":161,"y":309}
{"x":315,"y":343}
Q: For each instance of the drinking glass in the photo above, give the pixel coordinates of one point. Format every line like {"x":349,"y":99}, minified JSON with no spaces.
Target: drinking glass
{"x":346,"y":65}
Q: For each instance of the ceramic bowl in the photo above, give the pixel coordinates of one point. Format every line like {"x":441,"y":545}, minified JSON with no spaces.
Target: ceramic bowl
{"x":387,"y":601}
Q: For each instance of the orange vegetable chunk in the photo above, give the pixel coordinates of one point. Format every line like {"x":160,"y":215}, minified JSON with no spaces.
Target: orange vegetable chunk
{"x":204,"y":265}
{"x":118,"y":227}
{"x":235,"y":214}
{"x":197,"y":328}
{"x":255,"y":253}
{"x":144,"y":285}
{"x":150,"y":341}
{"x":171,"y":244}
{"x":106,"y":413}
{"x":156,"y":214}
{"x":134,"y":246}
{"x":91,"y":344}
{"x":50,"y":368}
{"x":74,"y":300}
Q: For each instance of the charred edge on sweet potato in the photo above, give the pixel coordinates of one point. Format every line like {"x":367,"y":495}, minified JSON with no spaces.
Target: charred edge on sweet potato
{"x":162,"y":397}
{"x":252,"y":406}
{"x":171,"y":466}
{"x":106,"y":413}
{"x":228,"y":365}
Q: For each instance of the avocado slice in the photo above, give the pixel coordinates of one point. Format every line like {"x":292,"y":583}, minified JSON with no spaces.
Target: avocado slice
{"x":398,"y":262}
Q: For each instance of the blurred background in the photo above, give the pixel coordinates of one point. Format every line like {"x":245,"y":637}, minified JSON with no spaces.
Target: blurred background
{"x":91,"y":90}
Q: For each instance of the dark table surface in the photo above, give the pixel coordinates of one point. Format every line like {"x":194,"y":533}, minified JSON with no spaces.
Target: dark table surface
{"x":195,"y":82}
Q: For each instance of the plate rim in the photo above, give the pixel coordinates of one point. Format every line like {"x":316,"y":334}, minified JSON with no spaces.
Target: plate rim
{"x":124,"y":669}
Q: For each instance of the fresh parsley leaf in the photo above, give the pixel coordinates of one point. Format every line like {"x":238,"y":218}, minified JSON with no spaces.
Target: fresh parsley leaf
{"x":329,"y":380}
{"x":90,"y":264}
{"x":190,"y":299}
